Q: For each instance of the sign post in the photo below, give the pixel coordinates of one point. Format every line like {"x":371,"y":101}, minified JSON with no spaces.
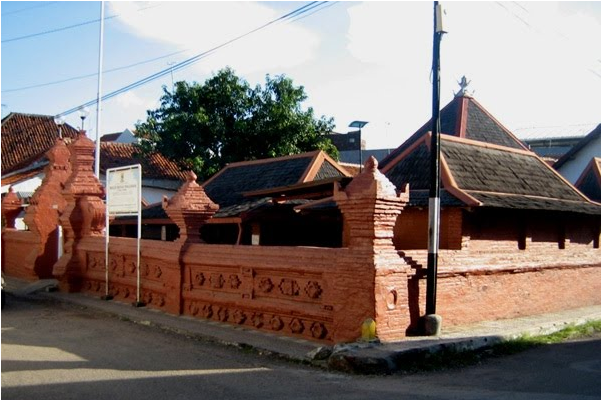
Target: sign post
{"x":124,"y":198}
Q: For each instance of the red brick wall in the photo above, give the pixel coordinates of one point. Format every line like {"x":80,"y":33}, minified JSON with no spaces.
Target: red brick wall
{"x":314,"y":293}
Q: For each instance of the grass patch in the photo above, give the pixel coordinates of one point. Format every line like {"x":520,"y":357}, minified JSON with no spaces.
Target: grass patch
{"x":452,"y":359}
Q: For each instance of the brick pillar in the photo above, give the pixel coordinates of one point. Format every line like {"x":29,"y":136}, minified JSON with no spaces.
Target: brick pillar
{"x":11,"y":207}
{"x":45,"y":207}
{"x":370,"y":205}
{"x":84,"y":213}
{"x":190,"y":208}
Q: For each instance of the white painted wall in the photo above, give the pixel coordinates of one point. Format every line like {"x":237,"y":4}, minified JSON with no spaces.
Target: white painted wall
{"x":573,"y":168}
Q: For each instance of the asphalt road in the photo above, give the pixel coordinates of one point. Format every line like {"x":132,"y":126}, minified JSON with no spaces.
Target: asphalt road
{"x":58,"y":351}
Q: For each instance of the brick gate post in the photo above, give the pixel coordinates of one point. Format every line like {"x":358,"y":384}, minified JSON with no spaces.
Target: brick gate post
{"x":84,"y":213}
{"x":376,"y":285}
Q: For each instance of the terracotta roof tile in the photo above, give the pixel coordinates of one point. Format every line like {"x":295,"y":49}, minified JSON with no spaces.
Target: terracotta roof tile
{"x":27,"y":137}
{"x":155,"y":166}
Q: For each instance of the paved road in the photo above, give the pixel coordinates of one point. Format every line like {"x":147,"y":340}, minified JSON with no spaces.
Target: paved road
{"x":58,"y":351}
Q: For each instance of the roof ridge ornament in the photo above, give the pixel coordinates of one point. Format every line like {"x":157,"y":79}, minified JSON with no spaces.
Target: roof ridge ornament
{"x":463,"y":92}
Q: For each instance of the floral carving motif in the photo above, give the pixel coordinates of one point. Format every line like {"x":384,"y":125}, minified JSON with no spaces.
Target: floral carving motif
{"x":239,"y":317}
{"x":257,"y":320}
{"x":289,"y":287}
{"x":296,"y":325}
{"x":194,"y":308}
{"x":266,"y":285}
{"x":313,"y":290}
{"x":276,"y":323}
{"x":158,"y":271}
{"x":318,"y":330}
{"x":217,"y":281}
{"x":234,"y":282}
{"x":200,"y":278}
{"x":222,"y":314}
{"x":207,"y":311}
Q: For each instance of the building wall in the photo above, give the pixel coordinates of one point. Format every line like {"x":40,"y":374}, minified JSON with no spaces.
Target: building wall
{"x":573,"y":168}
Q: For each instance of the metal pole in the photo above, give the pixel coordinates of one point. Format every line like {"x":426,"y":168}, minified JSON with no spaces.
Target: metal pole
{"x":434,"y":198}
{"x":98,"y":96}
{"x":360,"y":150}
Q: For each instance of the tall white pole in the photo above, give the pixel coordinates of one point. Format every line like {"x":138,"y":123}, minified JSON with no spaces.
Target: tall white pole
{"x":98,"y":96}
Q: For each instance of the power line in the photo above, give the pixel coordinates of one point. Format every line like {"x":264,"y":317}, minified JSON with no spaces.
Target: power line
{"x":289,"y":16}
{"x":91,"y":74}
{"x":64,"y":28}
{"x":49,"y":3}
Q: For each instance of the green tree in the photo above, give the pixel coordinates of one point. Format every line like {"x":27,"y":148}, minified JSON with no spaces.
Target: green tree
{"x":206,"y":126}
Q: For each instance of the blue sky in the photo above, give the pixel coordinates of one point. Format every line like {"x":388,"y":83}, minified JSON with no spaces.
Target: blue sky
{"x":534,"y":65}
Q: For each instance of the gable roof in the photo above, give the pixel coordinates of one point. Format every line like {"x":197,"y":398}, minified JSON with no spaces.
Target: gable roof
{"x":593,"y":135}
{"x":463,"y":117}
{"x":154,"y":166}
{"x":27,"y":137}
{"x":228,"y":186}
{"x":480,"y":174}
{"x":589,"y":181}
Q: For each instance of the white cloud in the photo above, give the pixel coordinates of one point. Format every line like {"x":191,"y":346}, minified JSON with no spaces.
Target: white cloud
{"x":201,"y":26}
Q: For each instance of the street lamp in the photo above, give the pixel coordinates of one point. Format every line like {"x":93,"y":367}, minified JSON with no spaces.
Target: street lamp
{"x":83,"y":114}
{"x":59,"y":120}
{"x":359,"y":125}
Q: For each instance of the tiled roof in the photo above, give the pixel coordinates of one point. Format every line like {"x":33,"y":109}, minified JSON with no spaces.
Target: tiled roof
{"x":110,"y":137}
{"x":155,"y":166}
{"x":463,"y":117}
{"x":589,"y":181}
{"x":477,"y":174}
{"x":593,"y":135}
{"x":27,"y":137}
{"x":226,"y":188}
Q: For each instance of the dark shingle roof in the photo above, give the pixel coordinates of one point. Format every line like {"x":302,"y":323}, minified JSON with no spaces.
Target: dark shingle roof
{"x":27,"y":137}
{"x":463,"y":117}
{"x":485,"y":175}
{"x":226,"y":188}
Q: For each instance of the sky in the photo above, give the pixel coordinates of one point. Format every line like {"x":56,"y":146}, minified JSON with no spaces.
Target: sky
{"x":535,"y":66}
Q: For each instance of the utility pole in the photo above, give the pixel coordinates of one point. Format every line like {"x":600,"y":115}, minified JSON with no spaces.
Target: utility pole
{"x":98,"y":95}
{"x":433,"y":322}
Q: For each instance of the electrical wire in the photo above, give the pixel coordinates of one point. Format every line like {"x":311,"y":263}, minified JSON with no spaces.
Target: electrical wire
{"x":289,"y":17}
{"x":49,"y":3}
{"x":192,"y":60}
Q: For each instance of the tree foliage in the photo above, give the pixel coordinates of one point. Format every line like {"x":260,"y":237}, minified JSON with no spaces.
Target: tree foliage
{"x":206,"y":126}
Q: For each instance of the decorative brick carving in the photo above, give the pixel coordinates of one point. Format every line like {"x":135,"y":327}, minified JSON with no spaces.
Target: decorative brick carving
{"x":296,"y":326}
{"x":222,"y":314}
{"x":84,"y":213}
{"x":266,"y":285}
{"x":207,"y":311}
{"x":234,"y":282}
{"x":313,"y":290}
{"x":11,"y":207}
{"x":189,"y":209}
{"x":318,"y":330}
{"x":289,"y":287}
{"x":239,"y":317}
{"x":257,"y":320}
{"x":276,"y":323}
{"x":199,"y":278}
{"x":217,"y":281}
{"x":193,"y":308}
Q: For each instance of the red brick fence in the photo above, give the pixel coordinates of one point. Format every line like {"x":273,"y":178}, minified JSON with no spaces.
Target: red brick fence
{"x":321,"y":294}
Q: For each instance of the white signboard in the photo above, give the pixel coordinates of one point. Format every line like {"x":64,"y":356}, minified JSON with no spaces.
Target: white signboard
{"x":123,"y":190}
{"x":124,"y":197}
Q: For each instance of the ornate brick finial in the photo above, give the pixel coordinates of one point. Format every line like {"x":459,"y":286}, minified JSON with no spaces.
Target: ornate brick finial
{"x":190,"y":208}
{"x":11,"y":207}
{"x":370,"y":205}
